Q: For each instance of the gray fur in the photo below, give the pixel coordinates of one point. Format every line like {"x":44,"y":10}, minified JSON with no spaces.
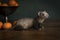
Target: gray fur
{"x":25,"y":23}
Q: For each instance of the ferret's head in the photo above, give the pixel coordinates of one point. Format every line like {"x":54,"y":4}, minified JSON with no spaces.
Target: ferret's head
{"x":43,"y":14}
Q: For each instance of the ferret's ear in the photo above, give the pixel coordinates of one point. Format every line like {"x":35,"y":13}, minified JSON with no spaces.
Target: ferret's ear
{"x":44,"y":11}
{"x":39,"y":13}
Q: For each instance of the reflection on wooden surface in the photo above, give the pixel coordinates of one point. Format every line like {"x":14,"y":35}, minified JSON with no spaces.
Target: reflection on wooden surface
{"x":49,"y":33}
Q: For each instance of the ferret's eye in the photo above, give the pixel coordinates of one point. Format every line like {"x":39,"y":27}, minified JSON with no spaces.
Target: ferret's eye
{"x":43,"y":14}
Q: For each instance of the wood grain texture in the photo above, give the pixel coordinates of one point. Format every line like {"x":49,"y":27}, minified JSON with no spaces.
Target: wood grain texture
{"x":50,"y":32}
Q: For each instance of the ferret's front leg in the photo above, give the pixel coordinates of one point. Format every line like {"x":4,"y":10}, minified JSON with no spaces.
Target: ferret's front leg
{"x":41,"y":26}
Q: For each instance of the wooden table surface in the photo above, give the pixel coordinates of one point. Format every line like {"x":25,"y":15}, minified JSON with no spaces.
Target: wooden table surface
{"x":48,"y":33}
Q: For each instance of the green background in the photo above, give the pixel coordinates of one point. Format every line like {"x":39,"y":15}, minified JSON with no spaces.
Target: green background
{"x":30,"y":8}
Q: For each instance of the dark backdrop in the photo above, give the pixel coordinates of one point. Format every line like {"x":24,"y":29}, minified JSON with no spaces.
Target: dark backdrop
{"x":30,"y":8}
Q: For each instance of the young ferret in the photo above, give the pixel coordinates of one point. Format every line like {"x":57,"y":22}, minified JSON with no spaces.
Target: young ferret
{"x":34,"y":23}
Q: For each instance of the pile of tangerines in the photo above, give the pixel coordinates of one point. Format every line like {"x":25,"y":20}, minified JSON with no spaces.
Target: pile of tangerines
{"x":10,"y":3}
{"x":7,"y":25}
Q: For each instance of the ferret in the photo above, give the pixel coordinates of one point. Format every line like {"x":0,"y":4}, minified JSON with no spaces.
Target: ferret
{"x":31,"y":23}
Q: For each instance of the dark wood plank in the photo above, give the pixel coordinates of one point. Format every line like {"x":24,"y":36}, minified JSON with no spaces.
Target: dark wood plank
{"x":50,"y":32}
